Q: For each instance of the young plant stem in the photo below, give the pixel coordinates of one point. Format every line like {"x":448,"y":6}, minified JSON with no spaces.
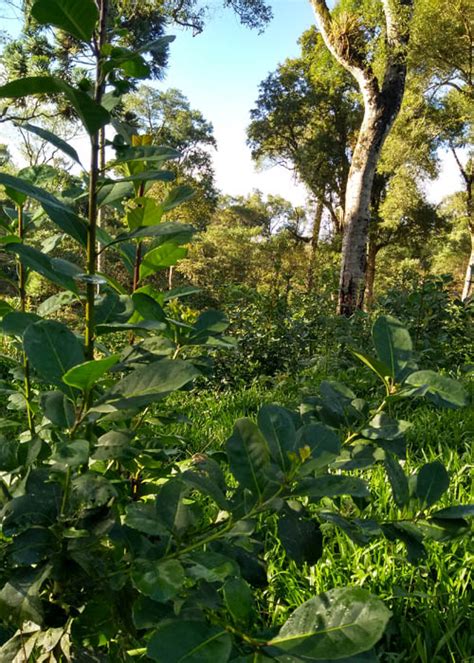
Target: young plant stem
{"x":93,"y":180}
{"x":22,"y":275}
{"x":138,"y":252}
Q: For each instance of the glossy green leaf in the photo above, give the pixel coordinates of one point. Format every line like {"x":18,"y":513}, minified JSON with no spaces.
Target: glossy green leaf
{"x":393,"y":344}
{"x":144,"y":518}
{"x":398,"y":480}
{"x":238,"y":598}
{"x":159,"y":580}
{"x":76,"y":17}
{"x":336,"y":624}
{"x":52,"y":349}
{"x":383,"y":427}
{"x":150,"y":383}
{"x":56,"y":270}
{"x":178,"y":195}
{"x":432,"y":482}
{"x":170,"y":231}
{"x":15,"y":323}
{"x":278,"y":429}
{"x":32,"y":546}
{"x":439,"y":388}
{"x":85,"y":376}
{"x":151,"y":153}
{"x":60,"y":213}
{"x":19,"y":597}
{"x":186,"y":641}
{"x":455,"y":512}
{"x":114,"y":445}
{"x":332,"y":485}
{"x":8,"y":454}
{"x":374,"y":364}
{"x":58,"y":409}
{"x":148,"y":307}
{"x":319,"y":443}
{"x":249,"y":457}
{"x":91,"y":491}
{"x":300,"y":537}
{"x":56,"y":141}
{"x":72,"y":454}
{"x":92,"y":115}
{"x":162,"y":257}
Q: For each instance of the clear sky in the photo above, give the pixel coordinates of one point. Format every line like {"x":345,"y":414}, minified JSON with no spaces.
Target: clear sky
{"x":220,"y":71}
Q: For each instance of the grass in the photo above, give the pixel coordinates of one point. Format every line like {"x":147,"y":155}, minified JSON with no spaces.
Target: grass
{"x":431,"y":602}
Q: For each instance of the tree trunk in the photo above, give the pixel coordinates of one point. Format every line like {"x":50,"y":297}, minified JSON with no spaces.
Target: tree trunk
{"x":314,"y":244}
{"x":370,"y":279}
{"x":469,"y":278}
{"x":382,"y":101}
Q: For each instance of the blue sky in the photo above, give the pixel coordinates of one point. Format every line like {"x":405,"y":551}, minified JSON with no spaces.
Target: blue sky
{"x":220,"y":71}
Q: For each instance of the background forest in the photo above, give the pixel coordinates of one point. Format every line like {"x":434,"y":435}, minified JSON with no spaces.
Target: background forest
{"x":233,"y":428}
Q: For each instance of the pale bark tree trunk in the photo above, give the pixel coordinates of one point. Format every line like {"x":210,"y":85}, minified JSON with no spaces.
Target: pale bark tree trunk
{"x":467,"y":173}
{"x":314,"y":244}
{"x":370,"y":279}
{"x":382,"y":102}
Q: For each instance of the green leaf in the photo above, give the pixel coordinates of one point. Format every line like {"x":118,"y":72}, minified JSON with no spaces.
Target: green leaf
{"x":249,"y":457}
{"x":19,"y":597}
{"x":439,"y":388}
{"x":238,"y":598}
{"x":159,"y":580}
{"x":114,"y":445}
{"x":187,"y":641}
{"x":52,"y":349}
{"x":151,"y":153}
{"x":150,"y":383}
{"x":171,"y":231}
{"x":60,"y":213}
{"x":278,"y":428}
{"x":392,"y":343}
{"x":144,"y":518}
{"x":91,"y":491}
{"x":148,"y":307}
{"x":376,"y":366}
{"x":211,"y":566}
{"x":56,"y":270}
{"x":455,"y":512}
{"x":177,"y":196}
{"x":53,"y":139}
{"x":398,"y":480}
{"x":85,"y":376}
{"x":55,"y":303}
{"x":336,"y":624}
{"x":92,"y":115}
{"x":76,"y":17}
{"x":161,"y":257}
{"x":58,"y":409}
{"x":300,"y":537}
{"x":8,"y":454}
{"x":17,"y":322}
{"x":383,"y":427}
{"x":32,"y":546}
{"x":432,"y":482}
{"x":320,"y":442}
{"x":332,"y":485}
{"x":72,"y":454}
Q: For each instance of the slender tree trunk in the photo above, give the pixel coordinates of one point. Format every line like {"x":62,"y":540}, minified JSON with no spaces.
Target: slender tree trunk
{"x":468,"y":175}
{"x":314,"y":244}
{"x":371,"y":268}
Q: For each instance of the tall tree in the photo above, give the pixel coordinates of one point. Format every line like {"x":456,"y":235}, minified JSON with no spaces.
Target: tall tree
{"x":374,"y":52}
{"x":169,"y":119}
{"x":442,"y":59}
